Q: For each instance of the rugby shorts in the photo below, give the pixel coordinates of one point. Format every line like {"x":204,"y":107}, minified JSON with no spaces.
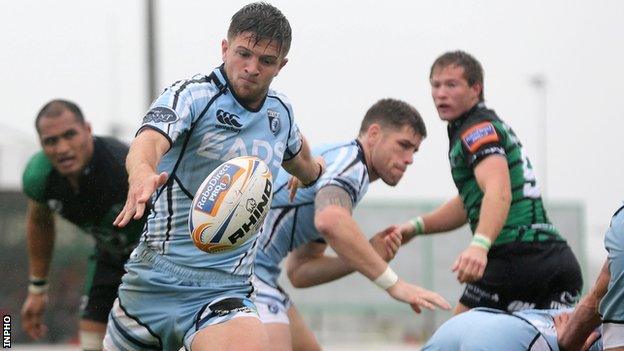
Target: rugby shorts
{"x":518,"y":276}
{"x":272,"y":303}
{"x":162,"y":305}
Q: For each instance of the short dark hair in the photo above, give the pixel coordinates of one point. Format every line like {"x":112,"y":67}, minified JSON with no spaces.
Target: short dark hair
{"x":56,"y":107}
{"x":473,"y":72}
{"x":393,"y":113}
{"x":265,"y":21}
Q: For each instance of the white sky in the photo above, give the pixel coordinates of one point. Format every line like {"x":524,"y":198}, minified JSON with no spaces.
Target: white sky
{"x":345,"y":55}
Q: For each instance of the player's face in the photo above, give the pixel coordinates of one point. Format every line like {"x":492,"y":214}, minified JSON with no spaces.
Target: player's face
{"x":393,"y":153}
{"x":451,"y":93}
{"x":251,"y":66}
{"x":66,"y":142}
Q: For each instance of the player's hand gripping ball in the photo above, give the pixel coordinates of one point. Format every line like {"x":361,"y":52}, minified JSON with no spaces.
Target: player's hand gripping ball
{"x":231,"y":204}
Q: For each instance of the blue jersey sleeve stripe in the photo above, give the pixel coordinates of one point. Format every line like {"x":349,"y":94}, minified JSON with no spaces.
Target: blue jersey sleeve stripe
{"x":278,"y":220}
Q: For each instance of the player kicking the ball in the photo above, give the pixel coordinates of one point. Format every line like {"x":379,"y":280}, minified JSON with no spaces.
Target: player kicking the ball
{"x":174,"y":294}
{"x":320,"y":215}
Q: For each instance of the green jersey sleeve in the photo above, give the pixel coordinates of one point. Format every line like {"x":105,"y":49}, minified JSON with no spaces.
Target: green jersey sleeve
{"x":35,"y":177}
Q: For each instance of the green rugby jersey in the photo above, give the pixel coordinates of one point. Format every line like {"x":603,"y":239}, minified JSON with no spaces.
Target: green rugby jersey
{"x":103,"y":189}
{"x":480,"y":133}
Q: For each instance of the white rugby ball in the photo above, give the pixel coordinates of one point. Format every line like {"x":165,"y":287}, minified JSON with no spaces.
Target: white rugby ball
{"x":231,"y":204}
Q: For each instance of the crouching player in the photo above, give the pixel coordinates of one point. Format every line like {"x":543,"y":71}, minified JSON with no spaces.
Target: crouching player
{"x":488,"y":329}
{"x":605,"y":302}
{"x":320,"y":215}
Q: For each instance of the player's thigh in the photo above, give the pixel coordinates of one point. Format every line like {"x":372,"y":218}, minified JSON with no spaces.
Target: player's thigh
{"x":238,"y":334}
{"x":302,"y":337}
{"x":279,"y":334}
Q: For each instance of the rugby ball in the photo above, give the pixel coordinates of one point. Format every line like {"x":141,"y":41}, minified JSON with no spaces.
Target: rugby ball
{"x":231,"y":204}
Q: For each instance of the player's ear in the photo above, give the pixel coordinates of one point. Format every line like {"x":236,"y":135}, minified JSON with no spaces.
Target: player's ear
{"x":281,"y":65}
{"x":284,"y":62}
{"x":373,"y":133}
{"x":477,"y":88}
{"x":224,"y":48}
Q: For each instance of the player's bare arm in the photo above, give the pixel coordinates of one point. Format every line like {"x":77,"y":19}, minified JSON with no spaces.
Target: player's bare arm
{"x":585,"y":317}
{"x":337,"y":226}
{"x":303,"y":166}
{"x":492,"y":176}
{"x":308,"y":265}
{"x":145,"y":152}
{"x":40,"y":235}
{"x":451,"y":215}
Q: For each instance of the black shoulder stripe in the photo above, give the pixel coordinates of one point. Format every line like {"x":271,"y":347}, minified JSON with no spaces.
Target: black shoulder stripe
{"x":176,"y":95}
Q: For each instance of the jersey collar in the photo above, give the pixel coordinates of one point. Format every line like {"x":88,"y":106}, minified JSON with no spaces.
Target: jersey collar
{"x":220,"y":73}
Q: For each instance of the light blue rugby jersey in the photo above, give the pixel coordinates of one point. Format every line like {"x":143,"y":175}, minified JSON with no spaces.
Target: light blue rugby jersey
{"x":206,"y":126}
{"x":490,"y":329}
{"x":291,"y":224}
{"x":612,"y":304}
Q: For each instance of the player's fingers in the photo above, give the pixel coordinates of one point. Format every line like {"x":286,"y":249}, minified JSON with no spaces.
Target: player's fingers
{"x":591,"y":339}
{"x":124,"y":217}
{"x":292,"y":187}
{"x":140,"y":208}
{"x":162,"y":179}
{"x":424,"y":303}
{"x":436,"y":299}
{"x":396,"y":237}
{"x":416,"y":308}
{"x":456,"y":264}
{"x":393,"y":243}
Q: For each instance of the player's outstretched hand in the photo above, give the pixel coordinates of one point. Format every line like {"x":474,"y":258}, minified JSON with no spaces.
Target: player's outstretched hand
{"x":417,"y":297}
{"x":140,"y":188}
{"x":387,"y":242}
{"x":32,"y":315}
{"x":470,"y":264}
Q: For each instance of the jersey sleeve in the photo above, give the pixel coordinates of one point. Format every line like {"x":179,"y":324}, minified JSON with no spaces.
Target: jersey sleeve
{"x":173,"y":112}
{"x":35,"y":177}
{"x":347,"y":171}
{"x":295,"y":139}
{"x":481,"y":140}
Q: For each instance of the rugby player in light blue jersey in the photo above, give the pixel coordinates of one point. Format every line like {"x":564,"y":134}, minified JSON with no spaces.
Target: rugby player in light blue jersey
{"x":487,"y":329}
{"x":318,"y":216}
{"x":605,"y":302}
{"x":174,"y":294}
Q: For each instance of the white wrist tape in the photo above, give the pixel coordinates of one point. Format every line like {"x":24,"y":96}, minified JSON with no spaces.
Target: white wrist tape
{"x":387,"y":279}
{"x":38,"y":285}
{"x":38,"y":289}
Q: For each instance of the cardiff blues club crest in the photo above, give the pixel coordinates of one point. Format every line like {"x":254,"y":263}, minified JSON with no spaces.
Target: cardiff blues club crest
{"x":274,"y":121}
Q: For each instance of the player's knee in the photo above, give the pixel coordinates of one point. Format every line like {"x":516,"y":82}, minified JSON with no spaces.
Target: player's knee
{"x":91,"y":341}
